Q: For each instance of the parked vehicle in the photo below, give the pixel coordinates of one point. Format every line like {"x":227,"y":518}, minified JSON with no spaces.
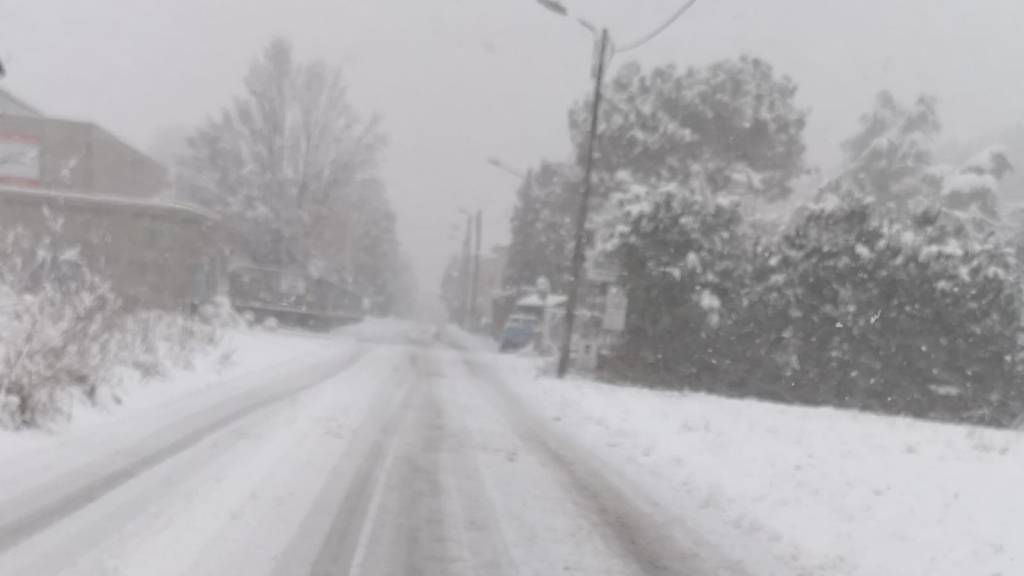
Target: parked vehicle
{"x":520,"y":331}
{"x":293,"y":297}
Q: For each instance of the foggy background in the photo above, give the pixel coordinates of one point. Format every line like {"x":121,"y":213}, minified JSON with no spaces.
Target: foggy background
{"x":457,"y":81}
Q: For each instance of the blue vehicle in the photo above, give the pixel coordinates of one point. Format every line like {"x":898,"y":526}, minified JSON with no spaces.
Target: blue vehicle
{"x":519,"y":332}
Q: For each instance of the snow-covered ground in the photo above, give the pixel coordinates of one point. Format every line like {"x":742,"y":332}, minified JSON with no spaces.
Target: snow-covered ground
{"x":381,"y":447}
{"x":805,"y":491}
{"x":240,"y":352}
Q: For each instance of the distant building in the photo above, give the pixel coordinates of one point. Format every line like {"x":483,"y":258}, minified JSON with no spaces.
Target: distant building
{"x":492,"y":276}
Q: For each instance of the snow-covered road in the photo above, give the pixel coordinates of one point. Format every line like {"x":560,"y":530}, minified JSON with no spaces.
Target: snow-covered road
{"x":391,"y":453}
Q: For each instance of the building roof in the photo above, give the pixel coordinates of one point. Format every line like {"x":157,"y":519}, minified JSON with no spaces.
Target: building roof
{"x":122,"y":202}
{"x":11,"y":104}
{"x":535,"y":301}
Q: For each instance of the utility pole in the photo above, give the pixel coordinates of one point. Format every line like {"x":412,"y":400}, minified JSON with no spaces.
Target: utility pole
{"x":581,"y":216}
{"x":466,"y":272}
{"x":475,"y":293}
{"x":601,"y":61}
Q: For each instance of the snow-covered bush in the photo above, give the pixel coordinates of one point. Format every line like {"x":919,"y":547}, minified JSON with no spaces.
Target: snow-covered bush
{"x":683,"y":258}
{"x":153,"y":342}
{"x":66,"y":334}
{"x":913,"y":316}
{"x":850,"y":306}
{"x":891,"y":153}
{"x":57,"y":316}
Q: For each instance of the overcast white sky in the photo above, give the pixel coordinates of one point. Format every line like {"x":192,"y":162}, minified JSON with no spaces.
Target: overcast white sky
{"x":457,"y":81}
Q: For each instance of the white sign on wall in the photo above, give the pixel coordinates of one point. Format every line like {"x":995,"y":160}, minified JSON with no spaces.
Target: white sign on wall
{"x":19,"y":159}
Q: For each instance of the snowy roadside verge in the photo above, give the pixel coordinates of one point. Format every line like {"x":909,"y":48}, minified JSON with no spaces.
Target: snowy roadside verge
{"x":805,"y":491}
{"x":240,"y":352}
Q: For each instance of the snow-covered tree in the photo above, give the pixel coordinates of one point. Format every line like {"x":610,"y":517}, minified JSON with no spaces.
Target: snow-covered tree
{"x":543,"y":227}
{"x":376,"y":264}
{"x":890,"y":155}
{"x":678,"y":154}
{"x":890,"y":160}
{"x":972,"y":190}
{"x":282,"y":163}
{"x":734,"y":124}
{"x":684,"y":265}
{"x":863,"y":307}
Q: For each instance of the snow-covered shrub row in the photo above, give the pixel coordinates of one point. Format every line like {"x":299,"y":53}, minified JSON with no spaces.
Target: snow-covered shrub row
{"x":56,"y":317}
{"x":852,"y":304}
{"x":64,"y":331}
{"x":152,"y":343}
{"x":909,"y":315}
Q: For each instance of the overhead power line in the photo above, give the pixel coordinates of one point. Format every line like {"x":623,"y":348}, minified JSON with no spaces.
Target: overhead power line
{"x":657,"y":31}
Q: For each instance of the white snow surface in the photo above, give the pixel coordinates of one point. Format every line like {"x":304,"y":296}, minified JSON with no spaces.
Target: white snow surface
{"x":805,"y":491}
{"x":787,"y":490}
{"x":241,"y":351}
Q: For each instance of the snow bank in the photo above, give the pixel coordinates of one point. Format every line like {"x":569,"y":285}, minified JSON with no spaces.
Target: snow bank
{"x":795,"y":490}
{"x":240,"y":351}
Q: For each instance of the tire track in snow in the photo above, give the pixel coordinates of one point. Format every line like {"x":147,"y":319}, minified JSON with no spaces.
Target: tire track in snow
{"x":409,"y":499}
{"x":629,"y":522}
{"x":483,"y":534}
{"x":330,"y":539}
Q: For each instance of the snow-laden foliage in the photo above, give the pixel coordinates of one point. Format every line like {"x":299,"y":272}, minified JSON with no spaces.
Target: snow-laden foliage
{"x":682,"y":258}
{"x":972,"y":189}
{"x":150,"y":344}
{"x":56,"y":315}
{"x":678,"y":155}
{"x":860,"y":308}
{"x":891,"y":293}
{"x":890,"y":161}
{"x":891,"y":153}
{"x":730,"y":129}
{"x":734,"y":121}
{"x":852,"y":305}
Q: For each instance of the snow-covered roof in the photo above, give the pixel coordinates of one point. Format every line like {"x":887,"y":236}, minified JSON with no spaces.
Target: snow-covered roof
{"x":106,"y":200}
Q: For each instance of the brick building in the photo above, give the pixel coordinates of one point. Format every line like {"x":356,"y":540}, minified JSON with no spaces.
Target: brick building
{"x":157,"y":254}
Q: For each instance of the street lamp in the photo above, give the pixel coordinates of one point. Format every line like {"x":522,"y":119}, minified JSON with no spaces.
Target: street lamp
{"x":555,"y":6}
{"x":601,"y":57}
{"x":497,"y":163}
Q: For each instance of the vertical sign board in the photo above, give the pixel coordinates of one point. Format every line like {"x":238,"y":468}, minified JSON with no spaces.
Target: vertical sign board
{"x":615,"y":305}
{"x":19,"y":159}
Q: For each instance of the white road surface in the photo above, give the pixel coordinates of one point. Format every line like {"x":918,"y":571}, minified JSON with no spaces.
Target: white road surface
{"x":398,"y":455}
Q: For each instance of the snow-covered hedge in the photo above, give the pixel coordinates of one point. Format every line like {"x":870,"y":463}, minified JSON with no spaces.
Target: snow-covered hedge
{"x":851,"y":305}
{"x":908,"y":315}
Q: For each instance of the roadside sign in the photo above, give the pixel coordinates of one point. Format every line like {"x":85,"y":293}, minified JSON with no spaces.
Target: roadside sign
{"x":19,"y":159}
{"x":615,"y":305}
{"x":601,"y":271}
